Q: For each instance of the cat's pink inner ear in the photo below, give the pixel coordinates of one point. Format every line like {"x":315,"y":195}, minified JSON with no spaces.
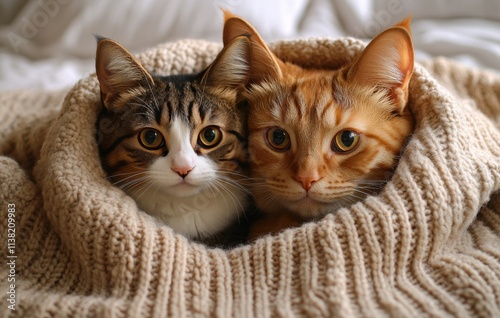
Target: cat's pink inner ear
{"x":118,"y":71}
{"x":387,"y":63}
{"x":264,"y":65}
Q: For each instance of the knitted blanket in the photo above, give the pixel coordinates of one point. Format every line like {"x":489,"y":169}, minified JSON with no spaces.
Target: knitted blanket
{"x":427,"y":245}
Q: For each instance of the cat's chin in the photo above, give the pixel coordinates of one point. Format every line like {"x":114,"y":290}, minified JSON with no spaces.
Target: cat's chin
{"x":309,"y":208}
{"x":184,"y":189}
{"x":306,"y":208}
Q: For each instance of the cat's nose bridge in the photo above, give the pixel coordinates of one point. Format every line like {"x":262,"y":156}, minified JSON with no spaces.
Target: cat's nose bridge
{"x":183,"y":161}
{"x":182,"y":165}
{"x":307,"y":171}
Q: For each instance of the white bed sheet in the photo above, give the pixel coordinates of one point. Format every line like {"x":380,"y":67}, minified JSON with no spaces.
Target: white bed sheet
{"x":49,"y":44}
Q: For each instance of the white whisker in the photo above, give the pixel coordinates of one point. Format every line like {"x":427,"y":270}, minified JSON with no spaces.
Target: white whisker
{"x":232,"y":196}
{"x":153,"y":94}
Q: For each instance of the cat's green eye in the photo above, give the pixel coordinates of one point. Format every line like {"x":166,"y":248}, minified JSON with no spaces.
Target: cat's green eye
{"x":278,"y":138}
{"x":210,"y":137}
{"x":345,"y":141}
{"x":151,"y":139}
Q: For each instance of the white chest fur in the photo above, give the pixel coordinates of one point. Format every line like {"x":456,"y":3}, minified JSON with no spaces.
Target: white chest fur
{"x":200,"y":215}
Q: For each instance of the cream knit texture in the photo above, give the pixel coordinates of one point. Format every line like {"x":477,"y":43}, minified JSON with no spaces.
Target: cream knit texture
{"x":427,"y":246}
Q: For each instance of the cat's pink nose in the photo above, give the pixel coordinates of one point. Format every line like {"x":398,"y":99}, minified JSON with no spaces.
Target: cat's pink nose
{"x":307,"y":180}
{"x":182,"y":171}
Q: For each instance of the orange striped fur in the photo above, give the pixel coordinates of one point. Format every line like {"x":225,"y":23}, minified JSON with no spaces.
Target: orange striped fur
{"x":316,"y":111}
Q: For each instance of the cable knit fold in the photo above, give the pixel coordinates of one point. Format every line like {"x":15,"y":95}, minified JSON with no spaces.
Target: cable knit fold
{"x":428,"y":245}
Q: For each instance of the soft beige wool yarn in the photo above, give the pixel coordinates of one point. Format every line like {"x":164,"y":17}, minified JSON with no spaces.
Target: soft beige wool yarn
{"x":427,"y":246}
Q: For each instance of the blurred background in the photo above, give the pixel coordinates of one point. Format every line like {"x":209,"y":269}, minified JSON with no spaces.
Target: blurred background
{"x":49,"y":44}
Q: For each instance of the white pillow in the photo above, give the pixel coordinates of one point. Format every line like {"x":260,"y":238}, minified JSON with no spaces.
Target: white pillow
{"x":63,"y":27}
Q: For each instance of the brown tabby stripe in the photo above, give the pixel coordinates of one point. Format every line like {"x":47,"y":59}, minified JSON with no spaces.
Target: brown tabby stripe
{"x":236,"y":134}
{"x":158,"y":112}
{"x":117,"y":166}
{"x":116,"y":143}
{"x":385,"y":143}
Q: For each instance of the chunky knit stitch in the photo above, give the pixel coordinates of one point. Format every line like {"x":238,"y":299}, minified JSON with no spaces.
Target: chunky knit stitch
{"x":427,"y":246}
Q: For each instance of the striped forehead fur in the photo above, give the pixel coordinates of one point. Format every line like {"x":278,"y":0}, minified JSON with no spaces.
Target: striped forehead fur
{"x":369,"y":98}
{"x":222,"y":92}
{"x":290,"y":100}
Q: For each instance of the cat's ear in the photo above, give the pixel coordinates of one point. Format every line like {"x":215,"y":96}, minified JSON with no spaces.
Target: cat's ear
{"x":387,"y":62}
{"x":118,"y":71}
{"x":231,"y":67}
{"x":264,"y":64}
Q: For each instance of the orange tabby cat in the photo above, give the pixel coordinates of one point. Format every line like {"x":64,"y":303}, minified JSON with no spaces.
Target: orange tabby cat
{"x":323,"y":139}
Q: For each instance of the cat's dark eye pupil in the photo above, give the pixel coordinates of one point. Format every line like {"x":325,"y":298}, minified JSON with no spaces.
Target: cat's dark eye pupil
{"x":345,"y":141}
{"x":279,"y":136}
{"x":209,"y":135}
{"x":348,"y":138}
{"x":151,"y":136}
{"x":151,"y":139}
{"x":278,"y":139}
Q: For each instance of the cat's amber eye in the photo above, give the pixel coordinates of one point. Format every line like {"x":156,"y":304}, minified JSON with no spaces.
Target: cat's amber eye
{"x":345,"y":141}
{"x":151,"y":139}
{"x":278,"y":138}
{"x":210,"y":137}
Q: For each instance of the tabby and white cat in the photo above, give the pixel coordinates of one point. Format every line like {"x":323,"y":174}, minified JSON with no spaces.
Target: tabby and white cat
{"x":323,"y":139}
{"x":176,"y":144}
